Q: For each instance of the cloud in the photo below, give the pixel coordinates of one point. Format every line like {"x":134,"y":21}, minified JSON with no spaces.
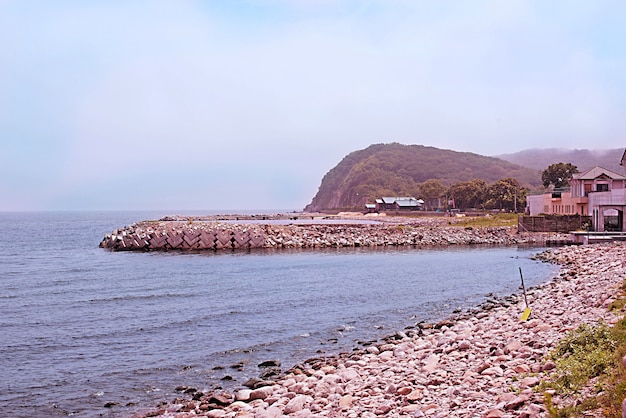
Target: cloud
{"x":263,"y":98}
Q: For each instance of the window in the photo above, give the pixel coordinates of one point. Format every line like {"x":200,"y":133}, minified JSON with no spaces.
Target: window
{"x":602,"y":187}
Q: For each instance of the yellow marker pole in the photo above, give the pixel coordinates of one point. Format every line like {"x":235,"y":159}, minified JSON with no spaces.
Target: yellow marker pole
{"x":526,"y":313}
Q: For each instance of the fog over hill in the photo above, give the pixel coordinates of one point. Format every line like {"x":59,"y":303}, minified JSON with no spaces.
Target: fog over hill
{"x":540,"y":159}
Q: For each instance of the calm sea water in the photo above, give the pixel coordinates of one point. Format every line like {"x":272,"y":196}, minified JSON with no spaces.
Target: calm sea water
{"x":81,"y":327}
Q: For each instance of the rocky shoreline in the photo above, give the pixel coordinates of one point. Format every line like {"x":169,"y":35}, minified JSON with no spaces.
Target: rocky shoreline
{"x":179,"y":233}
{"x":483,"y":363}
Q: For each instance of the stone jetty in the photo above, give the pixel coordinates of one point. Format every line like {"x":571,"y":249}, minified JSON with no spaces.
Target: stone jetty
{"x":193,"y":234}
{"x":485,"y":363}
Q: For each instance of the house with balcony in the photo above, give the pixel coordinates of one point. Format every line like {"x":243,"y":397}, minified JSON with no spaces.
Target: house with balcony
{"x":598,"y":192}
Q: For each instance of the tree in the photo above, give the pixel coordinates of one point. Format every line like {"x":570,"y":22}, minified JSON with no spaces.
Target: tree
{"x":431,"y":191}
{"x":558,"y":174}
{"x":506,"y":194}
{"x":468,"y":194}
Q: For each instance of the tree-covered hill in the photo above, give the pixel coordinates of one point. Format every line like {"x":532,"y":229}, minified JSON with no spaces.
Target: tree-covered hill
{"x":399,"y":170}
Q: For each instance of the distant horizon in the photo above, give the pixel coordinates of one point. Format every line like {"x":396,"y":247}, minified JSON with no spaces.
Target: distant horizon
{"x":249,"y":211}
{"x":174,"y":212}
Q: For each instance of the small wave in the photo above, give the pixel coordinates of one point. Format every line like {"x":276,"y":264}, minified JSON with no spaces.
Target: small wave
{"x":345,"y":328}
{"x":127,"y":298}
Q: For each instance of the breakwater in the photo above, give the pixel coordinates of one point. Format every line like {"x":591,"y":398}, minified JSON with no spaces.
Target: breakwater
{"x":177,"y":234}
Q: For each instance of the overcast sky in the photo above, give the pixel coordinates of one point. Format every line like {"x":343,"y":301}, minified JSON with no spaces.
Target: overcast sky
{"x":247,"y":104}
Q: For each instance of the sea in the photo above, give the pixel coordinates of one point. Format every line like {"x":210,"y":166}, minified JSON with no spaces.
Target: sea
{"x":88,"y":332}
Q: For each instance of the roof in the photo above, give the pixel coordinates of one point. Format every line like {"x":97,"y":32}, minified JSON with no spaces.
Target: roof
{"x":405,"y":203}
{"x":595,"y":172}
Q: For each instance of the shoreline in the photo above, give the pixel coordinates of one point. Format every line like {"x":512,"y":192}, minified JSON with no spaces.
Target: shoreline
{"x":483,"y":363}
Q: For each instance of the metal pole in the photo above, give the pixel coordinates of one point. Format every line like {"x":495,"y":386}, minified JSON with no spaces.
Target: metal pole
{"x":523,"y":287}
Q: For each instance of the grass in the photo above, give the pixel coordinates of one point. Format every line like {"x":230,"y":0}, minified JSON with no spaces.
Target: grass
{"x":589,"y":357}
{"x":583,"y":354}
{"x":491,"y":220}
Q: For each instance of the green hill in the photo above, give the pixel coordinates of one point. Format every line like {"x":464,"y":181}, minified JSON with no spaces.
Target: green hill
{"x":397,"y":170}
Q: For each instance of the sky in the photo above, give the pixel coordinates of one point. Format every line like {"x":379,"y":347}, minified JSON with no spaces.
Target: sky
{"x":211,"y":105}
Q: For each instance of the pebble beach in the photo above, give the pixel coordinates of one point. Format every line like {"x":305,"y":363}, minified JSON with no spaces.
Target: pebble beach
{"x":482,"y":363}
